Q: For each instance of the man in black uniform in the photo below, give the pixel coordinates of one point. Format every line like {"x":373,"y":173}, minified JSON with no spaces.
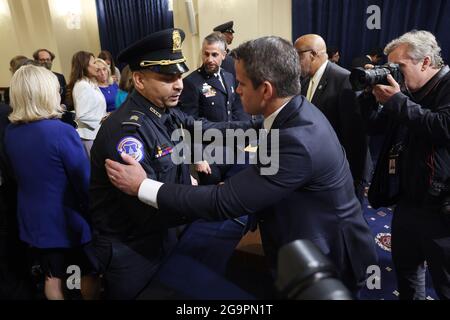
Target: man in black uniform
{"x":227,"y":31}
{"x":209,"y":92}
{"x":130,"y":239}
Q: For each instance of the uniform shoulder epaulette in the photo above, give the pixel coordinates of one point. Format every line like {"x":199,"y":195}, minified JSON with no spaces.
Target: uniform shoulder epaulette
{"x":135,"y":119}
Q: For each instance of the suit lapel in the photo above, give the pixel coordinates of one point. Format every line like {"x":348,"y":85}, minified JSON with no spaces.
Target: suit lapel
{"x":320,"y":90}
{"x":285,"y":114}
{"x":228,"y":92}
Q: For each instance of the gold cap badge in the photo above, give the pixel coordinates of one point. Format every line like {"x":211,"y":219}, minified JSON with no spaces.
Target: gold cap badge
{"x":176,"y":37}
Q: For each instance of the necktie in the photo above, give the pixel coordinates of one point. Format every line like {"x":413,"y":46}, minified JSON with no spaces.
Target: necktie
{"x":217,"y":75}
{"x":309,"y":94}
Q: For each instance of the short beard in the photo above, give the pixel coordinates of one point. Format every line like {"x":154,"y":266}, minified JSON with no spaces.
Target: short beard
{"x":48,"y":65}
{"x":211,"y":72}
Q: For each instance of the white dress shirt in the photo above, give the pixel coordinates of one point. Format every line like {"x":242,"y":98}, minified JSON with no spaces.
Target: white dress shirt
{"x":314,"y":82}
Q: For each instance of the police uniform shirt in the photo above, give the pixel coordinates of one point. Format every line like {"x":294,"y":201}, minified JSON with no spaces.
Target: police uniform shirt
{"x":205,"y":95}
{"x":141,"y":130}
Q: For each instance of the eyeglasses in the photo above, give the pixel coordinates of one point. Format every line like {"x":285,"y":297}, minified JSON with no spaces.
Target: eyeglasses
{"x":303,"y":51}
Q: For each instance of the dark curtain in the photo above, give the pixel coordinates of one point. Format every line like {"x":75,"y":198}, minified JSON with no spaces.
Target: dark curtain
{"x":122,"y":22}
{"x":342,"y":23}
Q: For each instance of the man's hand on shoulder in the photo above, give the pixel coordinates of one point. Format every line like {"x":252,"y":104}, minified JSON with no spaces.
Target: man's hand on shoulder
{"x":126,"y":177}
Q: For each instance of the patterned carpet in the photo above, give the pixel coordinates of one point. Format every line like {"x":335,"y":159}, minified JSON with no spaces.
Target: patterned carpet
{"x":380,"y":224}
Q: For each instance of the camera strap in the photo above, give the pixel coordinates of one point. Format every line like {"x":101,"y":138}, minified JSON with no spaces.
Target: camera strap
{"x":430,"y":85}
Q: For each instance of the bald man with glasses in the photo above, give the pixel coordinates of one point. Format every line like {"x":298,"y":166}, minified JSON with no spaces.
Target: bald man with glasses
{"x":327,"y":86}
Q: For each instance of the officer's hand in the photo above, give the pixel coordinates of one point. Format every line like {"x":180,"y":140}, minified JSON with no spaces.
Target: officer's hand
{"x":105,"y":117}
{"x":126,"y":177}
{"x":203,"y":167}
{"x":383,"y":93}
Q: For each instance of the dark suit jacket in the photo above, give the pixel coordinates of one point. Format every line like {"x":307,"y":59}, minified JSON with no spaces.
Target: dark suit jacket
{"x":204,"y":96}
{"x":335,"y":98}
{"x":310,"y":197}
{"x":62,"y":85}
{"x":228,"y":65}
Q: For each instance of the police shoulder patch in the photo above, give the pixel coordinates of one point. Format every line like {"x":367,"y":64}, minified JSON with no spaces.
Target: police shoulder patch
{"x":132,"y":147}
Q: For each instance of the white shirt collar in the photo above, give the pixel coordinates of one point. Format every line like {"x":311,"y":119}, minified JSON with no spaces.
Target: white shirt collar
{"x":316,"y":79}
{"x":319,"y":73}
{"x":268,"y":122}
{"x":217,"y":74}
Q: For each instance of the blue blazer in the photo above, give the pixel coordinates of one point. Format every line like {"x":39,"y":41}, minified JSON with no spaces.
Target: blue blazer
{"x":310,"y":197}
{"x":52,"y":173}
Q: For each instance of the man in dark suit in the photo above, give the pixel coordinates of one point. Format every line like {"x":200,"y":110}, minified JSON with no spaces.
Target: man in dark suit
{"x":227,"y":31}
{"x":209,"y":92}
{"x":327,"y":86}
{"x":306,"y":193}
{"x":45,"y":58}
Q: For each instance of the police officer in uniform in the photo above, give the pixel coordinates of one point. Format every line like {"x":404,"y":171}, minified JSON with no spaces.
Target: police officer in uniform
{"x":227,"y":30}
{"x":209,"y":92}
{"x":130,"y":239}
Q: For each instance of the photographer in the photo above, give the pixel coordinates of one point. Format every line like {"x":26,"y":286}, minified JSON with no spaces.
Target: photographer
{"x":415,"y":161}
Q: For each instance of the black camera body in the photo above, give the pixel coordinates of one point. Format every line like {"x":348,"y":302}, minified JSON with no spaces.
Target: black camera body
{"x":361,"y":78}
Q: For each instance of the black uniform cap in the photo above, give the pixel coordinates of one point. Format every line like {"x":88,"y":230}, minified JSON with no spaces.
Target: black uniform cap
{"x":159,"y":52}
{"x":226,"y":27}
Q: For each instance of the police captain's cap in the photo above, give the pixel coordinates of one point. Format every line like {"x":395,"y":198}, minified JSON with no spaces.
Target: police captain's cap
{"x":226,"y":27}
{"x":159,"y":52}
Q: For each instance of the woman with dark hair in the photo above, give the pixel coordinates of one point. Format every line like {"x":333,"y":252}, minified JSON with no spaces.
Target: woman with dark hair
{"x":88,"y":100}
{"x":107,"y":56}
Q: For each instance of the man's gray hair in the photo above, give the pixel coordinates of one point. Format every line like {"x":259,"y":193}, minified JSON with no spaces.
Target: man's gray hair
{"x":216,"y":37}
{"x":421,"y":44}
{"x":271,"y":59}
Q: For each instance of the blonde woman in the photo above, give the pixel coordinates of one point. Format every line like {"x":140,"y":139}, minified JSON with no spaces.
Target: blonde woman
{"x":88,"y":100}
{"x":106,"y":84}
{"x":52,"y":173}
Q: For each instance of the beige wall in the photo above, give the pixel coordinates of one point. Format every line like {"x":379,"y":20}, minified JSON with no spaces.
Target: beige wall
{"x":252,"y":19}
{"x":33,"y":24}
